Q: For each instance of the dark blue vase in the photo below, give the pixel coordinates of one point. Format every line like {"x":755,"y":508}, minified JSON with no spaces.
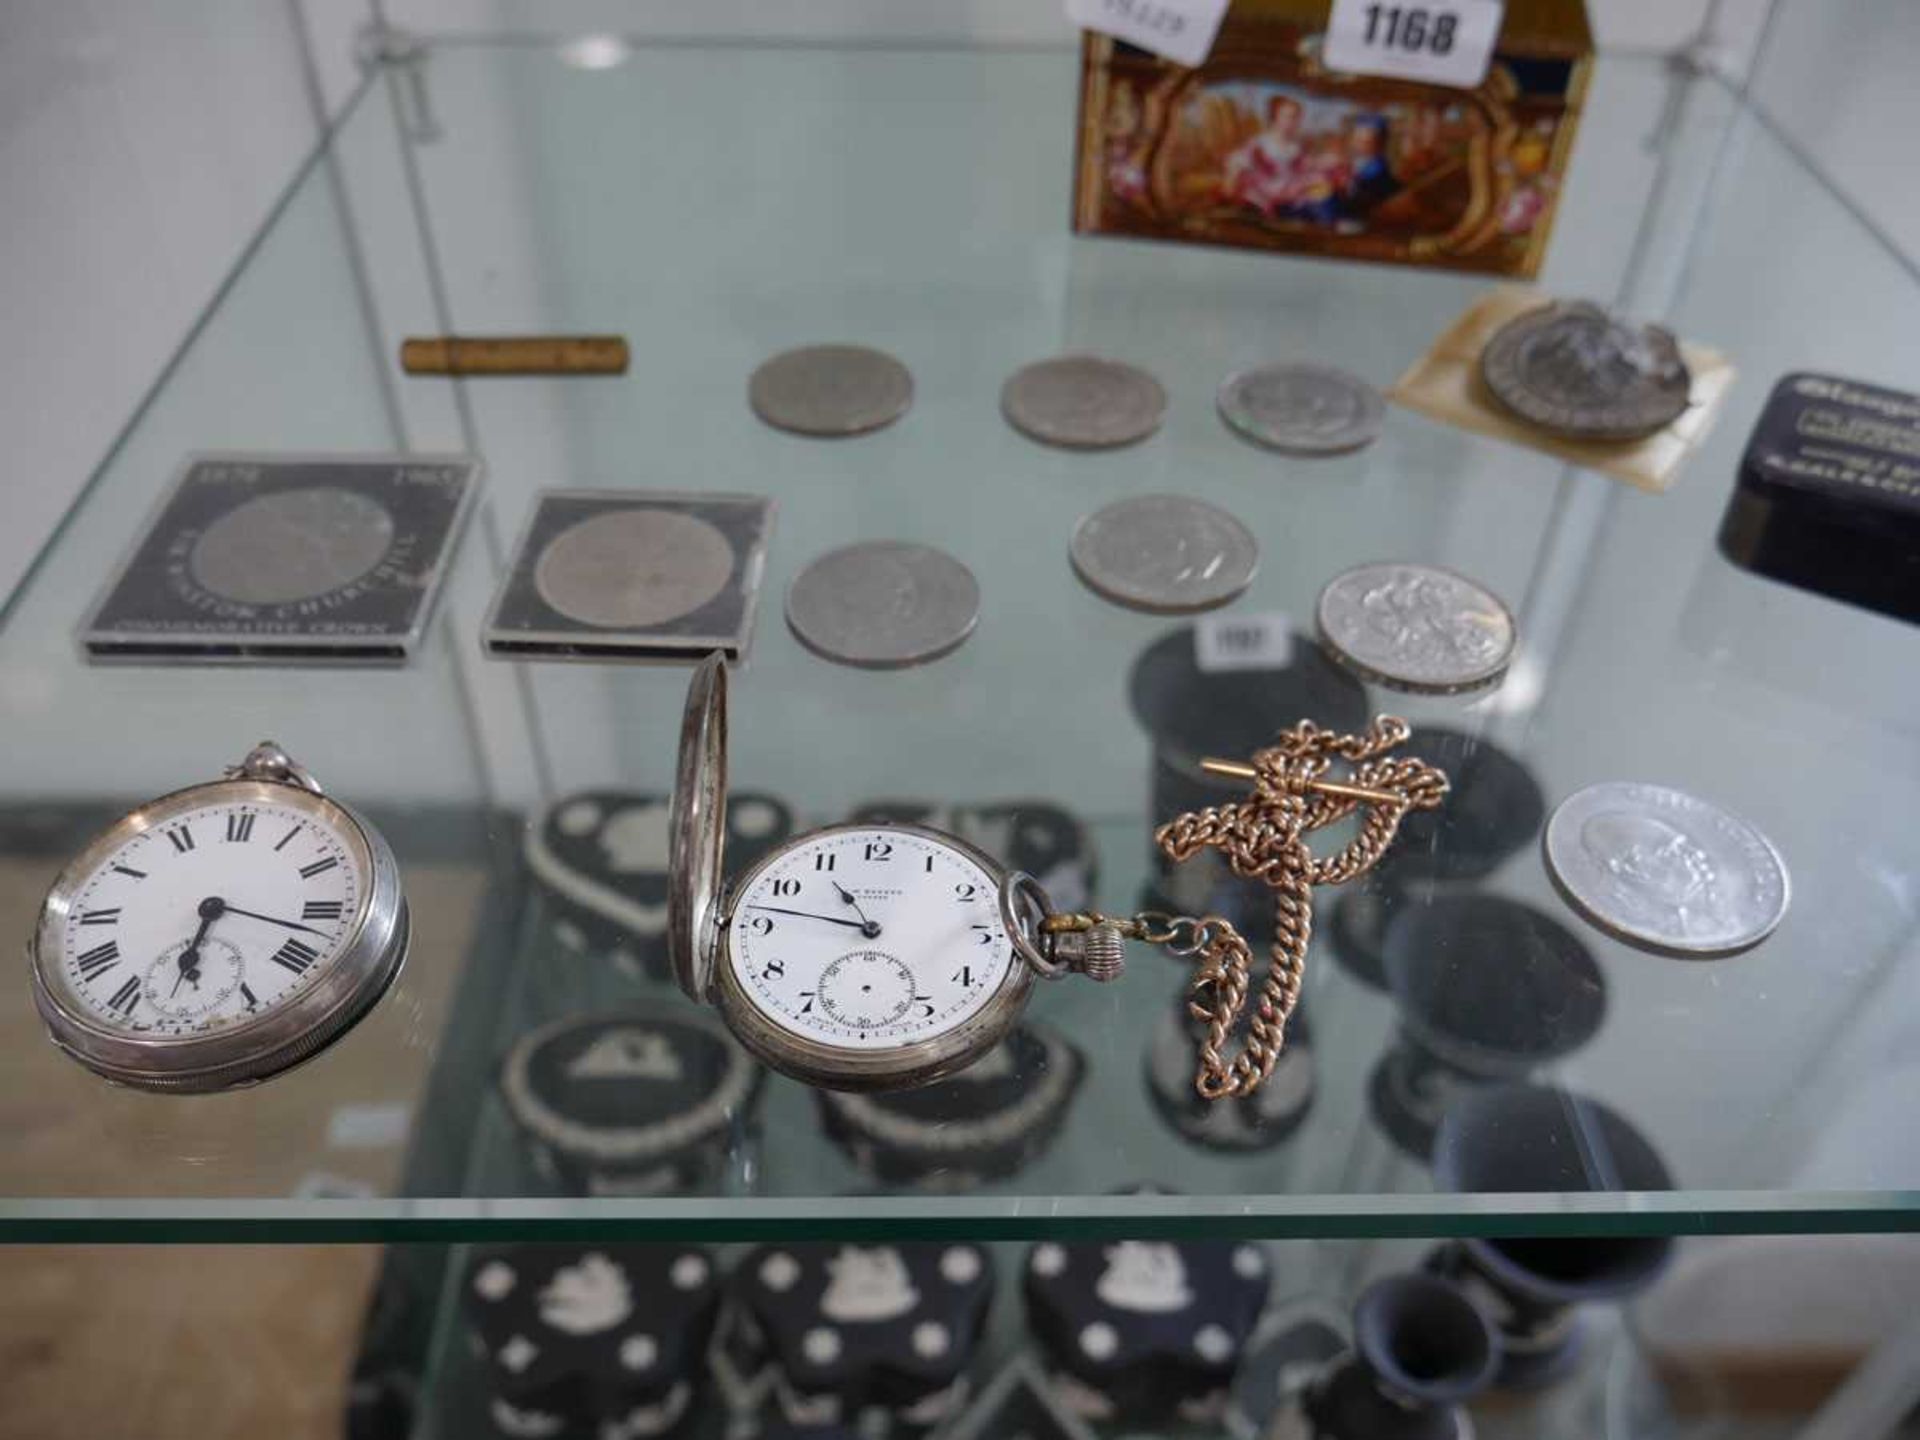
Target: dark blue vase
{"x":1494,"y":809}
{"x":1488,"y":989}
{"x":1421,"y":1347}
{"x":1532,"y":1139}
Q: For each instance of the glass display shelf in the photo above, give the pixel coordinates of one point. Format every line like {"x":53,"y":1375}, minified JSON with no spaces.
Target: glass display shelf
{"x":716,"y":204}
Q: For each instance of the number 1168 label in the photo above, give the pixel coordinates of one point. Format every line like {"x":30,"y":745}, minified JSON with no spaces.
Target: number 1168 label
{"x":1444,"y":42}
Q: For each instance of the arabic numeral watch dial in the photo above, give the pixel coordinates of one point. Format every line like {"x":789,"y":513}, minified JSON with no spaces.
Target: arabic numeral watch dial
{"x":856,"y":957}
{"x":869,"y":937}
{"x":218,"y":935}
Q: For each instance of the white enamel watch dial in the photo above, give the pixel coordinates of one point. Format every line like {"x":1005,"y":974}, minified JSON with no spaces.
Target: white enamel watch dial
{"x":870,"y":957}
{"x":219,"y":934}
{"x":869,"y":938}
{"x":859,"y":957}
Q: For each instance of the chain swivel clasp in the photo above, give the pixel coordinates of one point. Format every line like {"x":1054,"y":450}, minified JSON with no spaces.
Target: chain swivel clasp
{"x":1054,"y":944}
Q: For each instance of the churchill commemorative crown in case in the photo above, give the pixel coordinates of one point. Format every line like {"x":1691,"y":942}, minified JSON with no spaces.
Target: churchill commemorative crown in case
{"x":288,"y":559}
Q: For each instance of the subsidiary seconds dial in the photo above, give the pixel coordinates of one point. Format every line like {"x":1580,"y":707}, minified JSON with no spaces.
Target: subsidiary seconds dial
{"x":869,"y":937}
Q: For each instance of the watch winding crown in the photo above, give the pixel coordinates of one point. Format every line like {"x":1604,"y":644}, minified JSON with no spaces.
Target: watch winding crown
{"x":1099,"y":952}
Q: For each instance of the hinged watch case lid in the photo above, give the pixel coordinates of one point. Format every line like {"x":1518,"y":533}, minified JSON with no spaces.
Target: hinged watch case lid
{"x":697,"y":830}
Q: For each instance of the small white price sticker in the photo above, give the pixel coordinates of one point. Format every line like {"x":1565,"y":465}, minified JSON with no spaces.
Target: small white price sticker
{"x":1242,"y":642}
{"x":1444,"y":42}
{"x":1181,"y":30}
{"x":354,"y":1127}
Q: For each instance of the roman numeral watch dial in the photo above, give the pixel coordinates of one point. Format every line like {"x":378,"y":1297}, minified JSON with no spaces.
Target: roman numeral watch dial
{"x":857,"y":957}
{"x":218,"y":935}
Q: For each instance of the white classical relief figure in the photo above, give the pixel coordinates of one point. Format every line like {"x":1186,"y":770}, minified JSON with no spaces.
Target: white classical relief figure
{"x":1144,"y":1277}
{"x":586,"y":1298}
{"x":867,"y":1285}
{"x":633,"y":1054}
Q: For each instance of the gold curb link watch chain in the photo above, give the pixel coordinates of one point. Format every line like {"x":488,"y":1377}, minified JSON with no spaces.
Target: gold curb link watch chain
{"x":1262,"y":838}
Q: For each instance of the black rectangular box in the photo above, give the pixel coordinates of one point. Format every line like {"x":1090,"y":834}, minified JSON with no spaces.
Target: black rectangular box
{"x":1828,"y":497}
{"x":282,"y":559}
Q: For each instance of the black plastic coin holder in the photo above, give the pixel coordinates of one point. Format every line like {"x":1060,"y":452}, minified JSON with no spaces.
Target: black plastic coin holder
{"x":527,"y":620}
{"x":265,"y":559}
{"x":637,"y":1101}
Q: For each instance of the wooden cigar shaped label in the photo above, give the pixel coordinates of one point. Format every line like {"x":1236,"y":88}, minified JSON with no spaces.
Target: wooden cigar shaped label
{"x":514,"y":355}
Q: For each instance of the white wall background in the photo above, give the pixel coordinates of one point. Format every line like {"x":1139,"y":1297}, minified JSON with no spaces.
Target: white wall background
{"x":141,"y":145}
{"x":1843,"y":81}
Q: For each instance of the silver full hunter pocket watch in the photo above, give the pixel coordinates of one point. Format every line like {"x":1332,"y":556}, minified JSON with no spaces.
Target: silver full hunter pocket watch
{"x":857,"y":957}
{"x":218,"y":935}
{"x":884,"y":956}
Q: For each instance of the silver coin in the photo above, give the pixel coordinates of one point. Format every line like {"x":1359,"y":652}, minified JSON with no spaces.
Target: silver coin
{"x":1666,"y":870}
{"x":1165,"y":554}
{"x":291,"y":545}
{"x":1575,"y":370}
{"x":631,"y":569}
{"x":1302,"y":409}
{"x":883,"y":604}
{"x":1083,"y":402}
{"x":831,"y":390}
{"x":1416,"y":627}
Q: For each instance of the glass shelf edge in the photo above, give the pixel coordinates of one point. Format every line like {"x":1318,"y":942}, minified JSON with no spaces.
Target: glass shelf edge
{"x":1087,"y":1218}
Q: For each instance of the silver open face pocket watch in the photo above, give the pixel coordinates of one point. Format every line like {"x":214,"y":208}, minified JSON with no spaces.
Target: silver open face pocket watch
{"x":885,"y":956}
{"x":216,"y":936}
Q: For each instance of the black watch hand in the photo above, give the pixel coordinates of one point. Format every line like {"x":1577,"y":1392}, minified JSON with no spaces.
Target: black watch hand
{"x":809,"y":915}
{"x":867,"y":927}
{"x":211,"y":909}
{"x":274,"y":920}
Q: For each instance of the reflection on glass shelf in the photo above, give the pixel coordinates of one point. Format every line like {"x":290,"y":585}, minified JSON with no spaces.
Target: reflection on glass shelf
{"x":914,"y":200}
